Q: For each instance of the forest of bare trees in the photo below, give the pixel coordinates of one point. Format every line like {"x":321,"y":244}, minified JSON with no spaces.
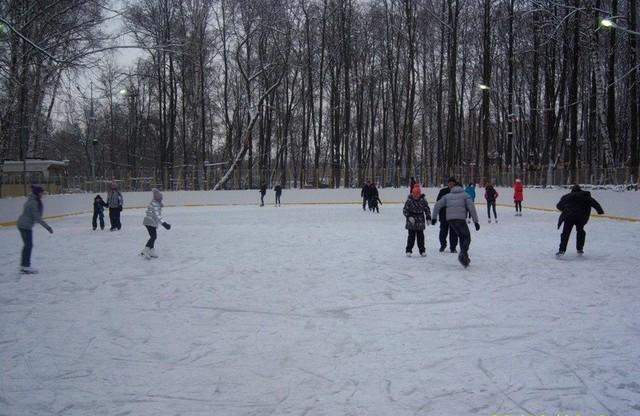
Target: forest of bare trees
{"x":313,"y":93}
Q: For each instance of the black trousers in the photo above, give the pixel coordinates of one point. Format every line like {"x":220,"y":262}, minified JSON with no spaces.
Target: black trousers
{"x":114,"y":218}
{"x":462,"y":230}
{"x":153,"y":234}
{"x":94,"y":222}
{"x":581,"y":235}
{"x":364,"y":203}
{"x":518,"y":206}
{"x":27,"y":239}
{"x":411,"y":239}
{"x":491,"y":204}
{"x":444,"y":231}
{"x":261,"y":199}
{"x":277,"y":198}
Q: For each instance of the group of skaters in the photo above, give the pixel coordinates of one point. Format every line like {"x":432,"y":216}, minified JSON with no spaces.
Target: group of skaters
{"x":263,"y":191}
{"x":454,"y":209}
{"x":370,"y":197}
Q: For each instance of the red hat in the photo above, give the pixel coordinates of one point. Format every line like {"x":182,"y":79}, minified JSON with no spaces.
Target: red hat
{"x":416,"y":191}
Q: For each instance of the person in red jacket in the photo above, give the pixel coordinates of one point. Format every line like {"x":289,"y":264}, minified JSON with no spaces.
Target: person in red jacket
{"x":518,"y":196}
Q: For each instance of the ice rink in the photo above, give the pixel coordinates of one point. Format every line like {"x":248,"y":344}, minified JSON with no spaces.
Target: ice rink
{"x":315,"y":310}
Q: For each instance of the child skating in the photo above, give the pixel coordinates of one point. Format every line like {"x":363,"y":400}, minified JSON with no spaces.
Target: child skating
{"x":417,"y":213}
{"x":518,"y":196}
{"x":152,"y":219}
{"x":98,"y":212}
{"x":31,"y":214}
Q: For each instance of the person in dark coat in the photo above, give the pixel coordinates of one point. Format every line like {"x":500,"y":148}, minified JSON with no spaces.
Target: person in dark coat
{"x":278,"y":190}
{"x":31,"y":215}
{"x":417,"y":213}
{"x":491,"y":195}
{"x":374,"y":198}
{"x":115,"y":202}
{"x":98,"y":212}
{"x":364,"y":194}
{"x":444,"y":225}
{"x":263,"y":191}
{"x":576,"y":210}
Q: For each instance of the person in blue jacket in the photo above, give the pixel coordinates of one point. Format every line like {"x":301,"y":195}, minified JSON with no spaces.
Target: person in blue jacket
{"x":98,"y":212}
{"x":471,"y":191}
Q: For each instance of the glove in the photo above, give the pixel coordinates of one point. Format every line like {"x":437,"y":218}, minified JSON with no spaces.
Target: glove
{"x":412,"y":220}
{"x":477,"y":226}
{"x":166,"y":225}
{"x":433,"y":221}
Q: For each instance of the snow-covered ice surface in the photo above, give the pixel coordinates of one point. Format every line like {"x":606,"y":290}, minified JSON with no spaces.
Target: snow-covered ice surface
{"x":315,"y":310}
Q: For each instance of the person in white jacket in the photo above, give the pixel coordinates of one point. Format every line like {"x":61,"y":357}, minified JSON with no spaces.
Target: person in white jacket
{"x":152,"y":219}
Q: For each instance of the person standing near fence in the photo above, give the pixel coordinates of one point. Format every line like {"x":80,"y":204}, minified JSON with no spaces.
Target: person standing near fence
{"x":278,"y":190}
{"x":263,"y":192}
{"x":115,"y":202}
{"x":31,"y":214}
{"x":98,"y":212}
{"x":364,"y":194}
{"x":518,"y":196}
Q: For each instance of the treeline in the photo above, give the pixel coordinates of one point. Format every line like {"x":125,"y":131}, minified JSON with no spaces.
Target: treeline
{"x":231,"y":93}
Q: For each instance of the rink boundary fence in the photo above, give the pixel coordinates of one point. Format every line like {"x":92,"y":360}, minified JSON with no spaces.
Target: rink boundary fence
{"x":55,"y":217}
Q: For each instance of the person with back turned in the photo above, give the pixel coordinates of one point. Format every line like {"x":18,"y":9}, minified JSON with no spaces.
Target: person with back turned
{"x":576,"y":210}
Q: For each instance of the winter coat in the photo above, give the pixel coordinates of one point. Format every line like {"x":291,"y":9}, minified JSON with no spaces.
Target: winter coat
{"x":490,"y":194}
{"x":458,"y":203}
{"x":443,"y":212}
{"x":153,"y":216}
{"x":115,"y":199}
{"x":576,"y":207}
{"x":32,"y":214}
{"x":366,"y":191}
{"x":416,"y":210}
{"x":263,"y":189}
{"x":278,"y":190}
{"x":99,"y":205}
{"x":471,"y":190}
{"x":374,"y":197}
{"x":518,"y":192}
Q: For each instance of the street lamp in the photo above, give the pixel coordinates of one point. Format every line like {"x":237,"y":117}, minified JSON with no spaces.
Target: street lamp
{"x":608,"y":23}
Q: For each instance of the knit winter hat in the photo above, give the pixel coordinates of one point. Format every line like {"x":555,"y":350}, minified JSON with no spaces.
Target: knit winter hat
{"x":157,"y":195}
{"x":452,"y":179}
{"x":518,"y":180}
{"x":576,"y":188}
{"x":36,"y":189}
{"x":416,"y":191}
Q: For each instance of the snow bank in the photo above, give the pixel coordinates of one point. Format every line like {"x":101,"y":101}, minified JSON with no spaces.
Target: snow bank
{"x":616,"y":204}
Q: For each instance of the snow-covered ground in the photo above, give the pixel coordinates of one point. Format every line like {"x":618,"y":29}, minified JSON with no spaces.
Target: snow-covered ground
{"x":315,"y":310}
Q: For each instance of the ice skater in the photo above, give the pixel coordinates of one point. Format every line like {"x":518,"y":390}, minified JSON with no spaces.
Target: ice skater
{"x":31,"y":214}
{"x":364,"y":194}
{"x":115,"y":202}
{"x":491,"y":195}
{"x":98,"y":212}
{"x":152,"y":219}
{"x":263,"y":192}
{"x":444,"y":225}
{"x":278,"y":190}
{"x":374,"y":198}
{"x":471,"y":190}
{"x":458,"y":203}
{"x":576,"y":210}
{"x":417,"y":213}
{"x":518,"y":196}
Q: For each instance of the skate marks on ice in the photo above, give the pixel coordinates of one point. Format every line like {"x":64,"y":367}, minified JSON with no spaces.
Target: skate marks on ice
{"x":315,"y":311}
